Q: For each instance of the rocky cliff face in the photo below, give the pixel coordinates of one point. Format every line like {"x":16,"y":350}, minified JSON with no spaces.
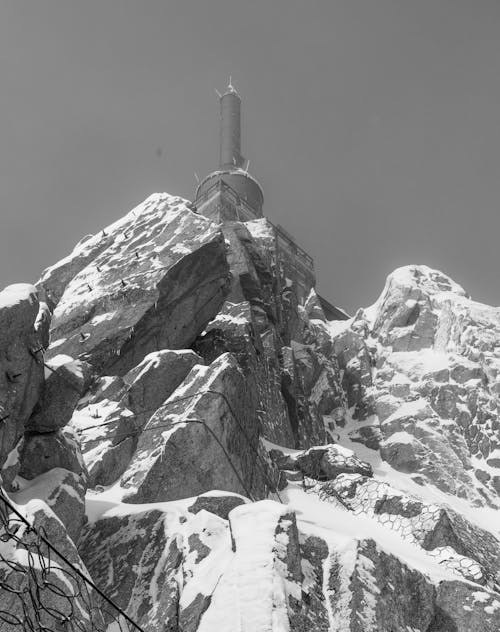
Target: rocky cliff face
{"x":209,"y":454}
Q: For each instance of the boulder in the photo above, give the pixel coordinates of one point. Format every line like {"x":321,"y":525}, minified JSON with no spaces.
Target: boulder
{"x":154,"y":379}
{"x":204,"y":437}
{"x":218,"y":504}
{"x":43,"y":452}
{"x":64,"y":492}
{"x":21,"y":369}
{"x":323,"y":462}
{"x":108,"y":433}
{"x":113,"y":414}
{"x":66,"y":382}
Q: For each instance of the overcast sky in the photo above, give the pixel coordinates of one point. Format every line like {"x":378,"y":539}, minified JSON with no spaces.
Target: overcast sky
{"x":373,"y":126}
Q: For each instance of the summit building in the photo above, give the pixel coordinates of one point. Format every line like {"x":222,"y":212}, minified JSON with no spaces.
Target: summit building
{"x":230,"y":194}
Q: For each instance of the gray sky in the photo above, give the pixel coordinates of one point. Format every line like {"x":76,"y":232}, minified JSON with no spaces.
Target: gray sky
{"x":373,"y":126}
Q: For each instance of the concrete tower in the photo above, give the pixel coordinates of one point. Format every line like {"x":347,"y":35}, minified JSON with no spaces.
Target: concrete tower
{"x":230,"y":193}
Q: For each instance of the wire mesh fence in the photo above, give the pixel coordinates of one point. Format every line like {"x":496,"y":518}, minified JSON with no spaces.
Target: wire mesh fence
{"x":412,"y":519}
{"x":44,"y":587}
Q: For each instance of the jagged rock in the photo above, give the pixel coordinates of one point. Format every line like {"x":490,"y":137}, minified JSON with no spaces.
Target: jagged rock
{"x":464,"y":370}
{"x":111,"y":417}
{"x":320,"y":380}
{"x":355,"y":360}
{"x":134,"y":559}
{"x":464,"y":608}
{"x":434,"y":392}
{"x":405,"y":317}
{"x":323,"y":463}
{"x":415,"y":378}
{"x":233,"y":331}
{"x":253,"y":325}
{"x":449,"y":529}
{"x":220,"y":505}
{"x":64,"y":492}
{"x":131,"y":297}
{"x":19,"y":309}
{"x":370,"y":436}
{"x":106,"y":387}
{"x":196,"y":285}
{"x":108,"y":432}
{"x":56,"y":278}
{"x":375,"y":604}
{"x":313,"y":307}
{"x":314,"y":614}
{"x":404,"y":452}
{"x":65,"y":384}
{"x":204,"y":437}
{"x":154,"y":379}
{"x":43,"y":452}
{"x":56,"y":592}
{"x":21,"y":368}
{"x":42,"y":324}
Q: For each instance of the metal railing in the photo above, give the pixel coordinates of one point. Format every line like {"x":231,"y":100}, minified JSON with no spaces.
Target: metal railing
{"x":238,"y":201}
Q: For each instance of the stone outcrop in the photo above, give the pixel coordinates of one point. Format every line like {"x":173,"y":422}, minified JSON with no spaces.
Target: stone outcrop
{"x":65,"y":384}
{"x":226,"y":458}
{"x":42,"y":588}
{"x":64,"y":492}
{"x":204,"y":437}
{"x":430,"y":399}
{"x":323,"y":462}
{"x":129,"y":297}
{"x":22,"y":334}
{"x":134,"y":558}
{"x":43,"y":452}
{"x":112,"y":415}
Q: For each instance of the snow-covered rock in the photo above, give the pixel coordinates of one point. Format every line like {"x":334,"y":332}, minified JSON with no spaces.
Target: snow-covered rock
{"x":37,"y":587}
{"x":46,"y":451}
{"x":61,"y":391}
{"x":204,"y":437}
{"x":431,"y":395}
{"x":125,"y":292}
{"x":63,"y":491}
{"x":22,"y":338}
{"x":135,"y":559}
{"x":251,"y":466}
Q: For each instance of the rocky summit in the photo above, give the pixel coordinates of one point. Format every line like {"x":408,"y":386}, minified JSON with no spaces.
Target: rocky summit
{"x":189,"y":445}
